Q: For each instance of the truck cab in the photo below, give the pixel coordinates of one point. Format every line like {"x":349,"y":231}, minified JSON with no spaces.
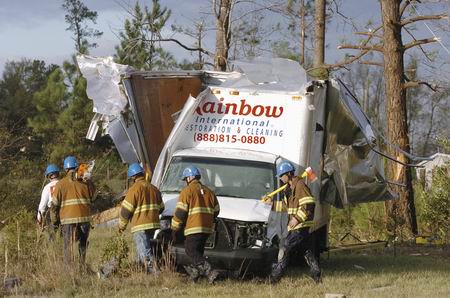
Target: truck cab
{"x":241,"y":238}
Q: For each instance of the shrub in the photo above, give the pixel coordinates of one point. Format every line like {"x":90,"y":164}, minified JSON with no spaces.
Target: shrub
{"x":435,"y":203}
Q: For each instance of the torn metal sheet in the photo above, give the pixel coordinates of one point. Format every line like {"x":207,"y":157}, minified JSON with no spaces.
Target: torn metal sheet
{"x":94,"y":127}
{"x":123,"y":138}
{"x":352,"y":171}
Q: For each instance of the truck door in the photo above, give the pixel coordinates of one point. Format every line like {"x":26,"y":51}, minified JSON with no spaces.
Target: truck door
{"x":154,"y":98}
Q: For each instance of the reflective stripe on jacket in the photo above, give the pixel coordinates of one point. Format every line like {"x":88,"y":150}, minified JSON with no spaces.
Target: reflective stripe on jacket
{"x":196,"y":209}
{"x":71,"y":201}
{"x":142,"y":204}
{"x":279,"y":204}
{"x":301,"y":204}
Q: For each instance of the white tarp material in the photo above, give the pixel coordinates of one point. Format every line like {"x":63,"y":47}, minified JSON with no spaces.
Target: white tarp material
{"x":272,"y":75}
{"x":110,"y":101}
{"x":103,"y":88}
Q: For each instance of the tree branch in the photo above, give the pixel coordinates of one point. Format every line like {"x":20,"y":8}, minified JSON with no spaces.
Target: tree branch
{"x":404,"y":6}
{"x":354,"y":58}
{"x":421,"y":48}
{"x":419,"y":42}
{"x":180,"y":44}
{"x":377,"y":48}
{"x":344,"y":61}
{"x":369,"y":33}
{"x":375,"y":63}
{"x":412,"y":84}
{"x":423,"y":18}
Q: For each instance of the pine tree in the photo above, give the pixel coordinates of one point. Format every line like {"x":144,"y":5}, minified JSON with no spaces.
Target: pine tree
{"x":140,"y":42}
{"x":77,"y":16}
{"x":132,"y":49}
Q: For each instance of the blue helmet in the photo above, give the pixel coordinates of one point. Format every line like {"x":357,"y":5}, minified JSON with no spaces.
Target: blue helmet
{"x":70,"y":162}
{"x":190,"y":171}
{"x":51,"y":168}
{"x":284,"y":167}
{"x":135,"y":169}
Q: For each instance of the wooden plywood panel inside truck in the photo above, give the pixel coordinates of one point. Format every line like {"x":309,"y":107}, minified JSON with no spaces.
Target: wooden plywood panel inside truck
{"x":157,"y":98}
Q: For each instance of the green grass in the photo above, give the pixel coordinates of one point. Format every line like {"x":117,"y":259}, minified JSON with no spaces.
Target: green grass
{"x":381,"y":275}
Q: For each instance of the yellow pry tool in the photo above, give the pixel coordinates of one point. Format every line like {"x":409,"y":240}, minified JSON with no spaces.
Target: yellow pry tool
{"x":267,"y":198}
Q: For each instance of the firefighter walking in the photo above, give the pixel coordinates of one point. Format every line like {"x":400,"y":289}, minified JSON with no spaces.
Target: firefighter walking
{"x":196,"y":210}
{"x":43,"y":218}
{"x":71,"y":209}
{"x":141,"y":206}
{"x":300,"y":207}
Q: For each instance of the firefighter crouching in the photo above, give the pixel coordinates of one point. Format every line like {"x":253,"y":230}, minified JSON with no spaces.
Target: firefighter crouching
{"x":142,"y":206}
{"x":71,"y":208}
{"x":300,"y":207}
{"x":196,"y":210}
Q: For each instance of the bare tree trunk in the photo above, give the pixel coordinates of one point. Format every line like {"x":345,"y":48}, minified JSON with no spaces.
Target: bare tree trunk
{"x":222,"y":11}
{"x":430,"y":128}
{"x":302,"y":32}
{"x":319,"y":38}
{"x":401,"y":211}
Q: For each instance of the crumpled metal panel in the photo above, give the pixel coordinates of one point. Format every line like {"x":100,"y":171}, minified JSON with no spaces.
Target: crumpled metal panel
{"x":123,"y":138}
{"x":352,"y":172}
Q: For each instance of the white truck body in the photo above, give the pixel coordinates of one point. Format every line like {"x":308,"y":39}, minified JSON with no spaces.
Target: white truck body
{"x":236,"y":130}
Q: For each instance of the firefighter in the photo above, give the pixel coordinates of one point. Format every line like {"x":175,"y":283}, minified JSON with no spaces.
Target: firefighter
{"x":52,"y":174}
{"x":196,"y":210}
{"x":141,"y":206}
{"x":71,"y":209}
{"x":300,"y":207}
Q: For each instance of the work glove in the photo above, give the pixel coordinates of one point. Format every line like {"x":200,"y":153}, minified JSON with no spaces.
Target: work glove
{"x":293,"y":222}
{"x":266,"y":200}
{"x":39,"y":218}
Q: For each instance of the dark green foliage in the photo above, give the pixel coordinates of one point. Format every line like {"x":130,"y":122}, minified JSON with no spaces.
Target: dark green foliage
{"x":139,"y":43}
{"x":77,"y":16}
{"x":435,"y":203}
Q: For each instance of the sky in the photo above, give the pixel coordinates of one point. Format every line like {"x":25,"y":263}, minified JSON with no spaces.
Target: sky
{"x":36,"y":29}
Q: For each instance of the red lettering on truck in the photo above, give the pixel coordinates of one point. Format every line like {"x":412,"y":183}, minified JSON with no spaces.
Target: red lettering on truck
{"x":242,"y":109}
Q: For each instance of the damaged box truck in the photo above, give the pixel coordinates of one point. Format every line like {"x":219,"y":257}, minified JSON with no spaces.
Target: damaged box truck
{"x":236,"y":127}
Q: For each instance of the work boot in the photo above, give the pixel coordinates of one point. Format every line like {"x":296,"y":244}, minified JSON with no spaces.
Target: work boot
{"x":210,"y":273}
{"x":276,"y":274}
{"x":193,"y":272}
{"x":152,"y":270}
{"x":316,"y":273}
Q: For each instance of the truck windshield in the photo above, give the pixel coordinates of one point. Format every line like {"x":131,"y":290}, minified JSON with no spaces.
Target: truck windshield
{"x":230,"y":178}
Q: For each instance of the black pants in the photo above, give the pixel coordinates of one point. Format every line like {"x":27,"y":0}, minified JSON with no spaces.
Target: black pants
{"x":293,"y":241}
{"x":72,"y":233}
{"x":194,"y":245}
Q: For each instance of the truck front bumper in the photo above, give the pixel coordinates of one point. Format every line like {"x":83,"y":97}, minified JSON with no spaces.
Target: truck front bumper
{"x":256,"y":261}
